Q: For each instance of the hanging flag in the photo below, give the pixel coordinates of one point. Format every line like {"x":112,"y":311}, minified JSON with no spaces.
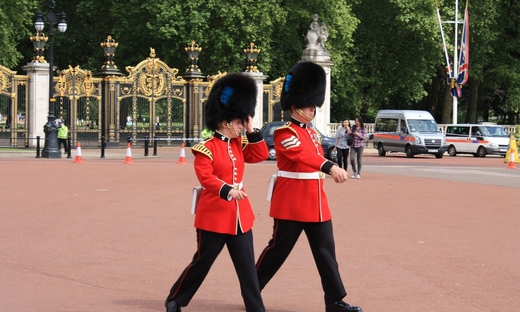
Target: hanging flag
{"x":464,"y":51}
{"x":449,"y":74}
{"x":456,"y":90}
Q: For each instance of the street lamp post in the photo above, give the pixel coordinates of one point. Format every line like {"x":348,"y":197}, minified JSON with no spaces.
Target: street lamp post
{"x":51,"y":148}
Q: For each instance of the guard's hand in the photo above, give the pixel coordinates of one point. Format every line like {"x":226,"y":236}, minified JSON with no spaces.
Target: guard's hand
{"x":248,"y":125}
{"x":338,"y":174}
{"x":238,"y":195}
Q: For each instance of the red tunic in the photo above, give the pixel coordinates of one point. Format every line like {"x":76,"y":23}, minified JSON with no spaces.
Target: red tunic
{"x":219,"y":165}
{"x":298,"y":149}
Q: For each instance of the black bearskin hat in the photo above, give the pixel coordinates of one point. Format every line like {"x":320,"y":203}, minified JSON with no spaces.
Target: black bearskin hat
{"x":232,"y":96}
{"x":304,"y":86}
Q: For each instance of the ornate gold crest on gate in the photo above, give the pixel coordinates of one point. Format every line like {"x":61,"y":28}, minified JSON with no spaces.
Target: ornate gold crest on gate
{"x":151,"y":84}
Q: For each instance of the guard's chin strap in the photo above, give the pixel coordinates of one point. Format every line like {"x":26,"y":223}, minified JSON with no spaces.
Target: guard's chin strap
{"x":301,"y":113}
{"x":232,"y":130}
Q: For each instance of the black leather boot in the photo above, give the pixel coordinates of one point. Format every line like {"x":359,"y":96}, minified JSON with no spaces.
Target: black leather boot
{"x":172,"y":306}
{"x":341,"y":306}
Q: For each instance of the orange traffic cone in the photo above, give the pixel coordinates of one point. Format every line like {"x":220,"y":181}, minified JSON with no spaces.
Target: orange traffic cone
{"x":79,"y":159}
{"x":512,"y":164}
{"x":182,"y":157}
{"x":128,"y":159}
{"x":513,"y":154}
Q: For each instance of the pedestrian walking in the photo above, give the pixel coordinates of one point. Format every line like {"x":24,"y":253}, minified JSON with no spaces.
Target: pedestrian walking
{"x":341,"y":145}
{"x":356,"y":150}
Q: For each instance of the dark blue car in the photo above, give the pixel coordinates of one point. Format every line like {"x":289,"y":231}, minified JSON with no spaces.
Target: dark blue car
{"x":326,"y":142}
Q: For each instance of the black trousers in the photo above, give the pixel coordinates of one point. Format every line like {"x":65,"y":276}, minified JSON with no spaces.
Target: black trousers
{"x":210,"y":245}
{"x":65,"y":144}
{"x":343,"y":157}
{"x":321,"y":241}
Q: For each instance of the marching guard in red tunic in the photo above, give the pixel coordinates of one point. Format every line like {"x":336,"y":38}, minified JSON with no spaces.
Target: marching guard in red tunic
{"x":299,"y":202}
{"x":224,"y":216}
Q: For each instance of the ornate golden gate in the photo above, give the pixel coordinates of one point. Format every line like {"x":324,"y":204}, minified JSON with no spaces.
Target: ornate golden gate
{"x":272,"y":93}
{"x":78,"y":103}
{"x":14,"y":108}
{"x":150,"y":102}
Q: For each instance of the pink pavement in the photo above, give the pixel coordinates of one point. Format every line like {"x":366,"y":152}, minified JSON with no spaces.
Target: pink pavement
{"x":105,"y":236}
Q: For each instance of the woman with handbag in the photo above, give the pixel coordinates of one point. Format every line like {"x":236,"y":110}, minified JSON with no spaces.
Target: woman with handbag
{"x":359,"y":132}
{"x":342,"y":146}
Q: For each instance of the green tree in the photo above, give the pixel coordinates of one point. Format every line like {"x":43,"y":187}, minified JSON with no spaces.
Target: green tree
{"x":484,"y":31}
{"x":289,"y":42}
{"x":223,"y":28}
{"x":386,"y":54}
{"x":16,"y":18}
{"x":396,"y":50}
{"x":501,"y":74}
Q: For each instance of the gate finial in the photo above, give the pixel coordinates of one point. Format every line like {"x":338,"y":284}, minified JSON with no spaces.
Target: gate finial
{"x":193,"y":51}
{"x":252,"y":57}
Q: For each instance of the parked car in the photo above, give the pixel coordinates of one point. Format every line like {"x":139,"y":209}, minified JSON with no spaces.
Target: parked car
{"x":268,"y":131}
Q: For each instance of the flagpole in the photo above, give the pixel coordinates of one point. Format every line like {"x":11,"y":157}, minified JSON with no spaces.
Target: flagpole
{"x":448,"y":68}
{"x":454,"y":83}
{"x":455,"y":66}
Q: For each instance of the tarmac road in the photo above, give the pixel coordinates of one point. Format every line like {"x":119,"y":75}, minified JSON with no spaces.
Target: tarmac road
{"x":419,"y":234}
{"x":464,"y":168}
{"x":489,"y":170}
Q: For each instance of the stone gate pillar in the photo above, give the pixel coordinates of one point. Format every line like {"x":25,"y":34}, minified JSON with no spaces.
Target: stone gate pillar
{"x":38,"y":99}
{"x":322,"y":119}
{"x":316,"y":52}
{"x":259,"y":78}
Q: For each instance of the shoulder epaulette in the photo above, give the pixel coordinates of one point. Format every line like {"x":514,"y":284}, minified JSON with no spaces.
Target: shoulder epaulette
{"x":201,"y":148}
{"x":288,"y":126}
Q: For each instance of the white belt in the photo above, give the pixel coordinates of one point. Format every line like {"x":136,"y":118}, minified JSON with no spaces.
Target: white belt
{"x":302,"y":175}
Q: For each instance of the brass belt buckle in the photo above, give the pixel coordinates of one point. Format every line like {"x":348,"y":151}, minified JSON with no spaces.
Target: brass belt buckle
{"x":322,"y":175}
{"x":236,"y":186}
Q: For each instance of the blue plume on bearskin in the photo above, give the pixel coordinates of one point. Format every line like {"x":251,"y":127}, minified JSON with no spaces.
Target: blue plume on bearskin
{"x":232,"y":96}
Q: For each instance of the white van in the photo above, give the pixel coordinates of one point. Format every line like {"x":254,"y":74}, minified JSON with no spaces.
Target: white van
{"x":477,"y":139}
{"x":408,"y":131}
